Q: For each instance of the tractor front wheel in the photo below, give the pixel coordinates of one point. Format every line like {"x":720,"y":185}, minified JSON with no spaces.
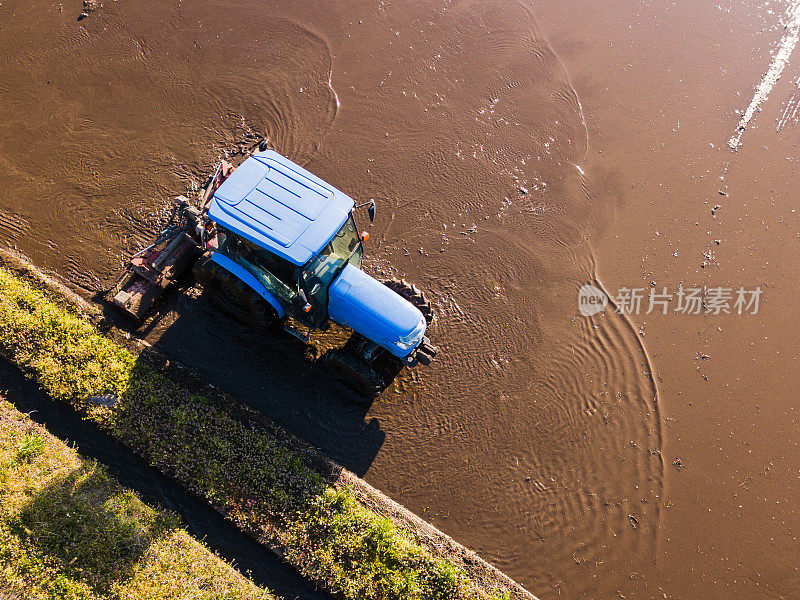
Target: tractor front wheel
{"x":355,"y":373}
{"x":413,"y":294}
{"x":234,"y":297}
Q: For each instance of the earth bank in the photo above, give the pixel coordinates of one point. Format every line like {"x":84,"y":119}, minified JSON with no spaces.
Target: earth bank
{"x":334,"y":528}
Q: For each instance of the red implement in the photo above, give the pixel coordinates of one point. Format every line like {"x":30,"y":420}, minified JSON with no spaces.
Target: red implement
{"x":153,"y":270}
{"x":149,"y":275}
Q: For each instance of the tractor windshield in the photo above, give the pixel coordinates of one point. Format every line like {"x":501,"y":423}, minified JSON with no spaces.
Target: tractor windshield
{"x":320,"y":271}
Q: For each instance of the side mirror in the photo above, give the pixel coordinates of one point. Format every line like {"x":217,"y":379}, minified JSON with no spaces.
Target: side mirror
{"x":302,"y":294}
{"x":371,"y":211}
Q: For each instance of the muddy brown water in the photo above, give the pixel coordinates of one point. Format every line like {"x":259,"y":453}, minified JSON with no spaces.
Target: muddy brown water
{"x":516,"y":151}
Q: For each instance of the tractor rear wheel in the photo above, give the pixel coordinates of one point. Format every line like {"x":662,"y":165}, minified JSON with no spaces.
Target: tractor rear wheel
{"x":413,"y":294}
{"x":234,"y":297}
{"x":355,"y":373}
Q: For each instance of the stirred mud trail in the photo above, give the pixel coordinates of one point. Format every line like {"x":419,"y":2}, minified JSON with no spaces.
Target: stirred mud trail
{"x":105,"y":119}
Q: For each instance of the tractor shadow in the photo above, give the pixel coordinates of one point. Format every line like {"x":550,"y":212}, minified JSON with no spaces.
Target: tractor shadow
{"x":273,"y":373}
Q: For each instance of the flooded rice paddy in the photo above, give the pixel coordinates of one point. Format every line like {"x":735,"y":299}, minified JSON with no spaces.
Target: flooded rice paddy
{"x":516,"y":150}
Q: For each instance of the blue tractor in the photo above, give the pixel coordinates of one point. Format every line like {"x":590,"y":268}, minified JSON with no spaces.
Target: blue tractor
{"x":281,"y":245}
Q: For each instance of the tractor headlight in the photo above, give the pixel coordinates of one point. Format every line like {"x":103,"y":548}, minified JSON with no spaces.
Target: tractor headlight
{"x":407,"y":342}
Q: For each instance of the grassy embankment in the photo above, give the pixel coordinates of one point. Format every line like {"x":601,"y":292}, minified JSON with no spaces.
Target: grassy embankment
{"x":241,"y":468}
{"x":68,"y":531}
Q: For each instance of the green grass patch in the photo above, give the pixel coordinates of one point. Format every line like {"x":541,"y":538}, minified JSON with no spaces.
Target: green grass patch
{"x":30,"y":447}
{"x":239,"y":467}
{"x":69,"y":531}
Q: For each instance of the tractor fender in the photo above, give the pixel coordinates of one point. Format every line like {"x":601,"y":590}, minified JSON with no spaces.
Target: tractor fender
{"x":249,"y":279}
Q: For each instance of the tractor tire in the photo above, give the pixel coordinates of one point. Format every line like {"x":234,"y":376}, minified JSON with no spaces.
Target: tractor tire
{"x":386,"y":365}
{"x":234,"y":297}
{"x":413,"y":294}
{"x":354,"y":374}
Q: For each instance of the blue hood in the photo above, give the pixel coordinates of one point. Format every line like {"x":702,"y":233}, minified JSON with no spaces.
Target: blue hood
{"x":367,"y":306}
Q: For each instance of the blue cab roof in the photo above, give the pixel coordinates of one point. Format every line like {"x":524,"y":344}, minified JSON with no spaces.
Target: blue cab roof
{"x":280,"y":206}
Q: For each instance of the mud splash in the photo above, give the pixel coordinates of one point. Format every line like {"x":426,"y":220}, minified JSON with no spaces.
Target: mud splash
{"x":773,"y":74}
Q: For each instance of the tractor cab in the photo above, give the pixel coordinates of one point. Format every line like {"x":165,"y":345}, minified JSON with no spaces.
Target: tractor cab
{"x":301,"y":291}
{"x":287,"y":229}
